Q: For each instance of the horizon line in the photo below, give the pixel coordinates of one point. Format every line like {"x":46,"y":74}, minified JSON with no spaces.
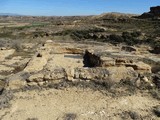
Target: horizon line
{"x":16,"y":14}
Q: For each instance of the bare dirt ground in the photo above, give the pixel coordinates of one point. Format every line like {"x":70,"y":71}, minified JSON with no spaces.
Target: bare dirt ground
{"x":80,"y":104}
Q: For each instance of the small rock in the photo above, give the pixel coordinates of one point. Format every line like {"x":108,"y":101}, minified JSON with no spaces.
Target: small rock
{"x":32,"y":84}
{"x":2,"y":86}
{"x":16,"y":84}
{"x":36,"y":78}
{"x":3,"y":48}
{"x":129,"y":48}
{"x":49,"y":41}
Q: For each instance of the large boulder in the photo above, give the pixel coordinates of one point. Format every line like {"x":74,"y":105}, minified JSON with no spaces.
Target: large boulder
{"x":91,"y":60}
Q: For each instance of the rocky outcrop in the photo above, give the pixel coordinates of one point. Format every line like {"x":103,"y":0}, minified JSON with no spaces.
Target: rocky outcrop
{"x":114,"y":74}
{"x":93,"y":60}
{"x":154,"y":12}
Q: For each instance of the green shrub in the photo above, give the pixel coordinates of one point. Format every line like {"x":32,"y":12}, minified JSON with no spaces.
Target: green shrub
{"x":131,"y":38}
{"x":136,"y":34}
{"x":116,"y":38}
{"x":17,"y":46}
{"x":126,"y":35}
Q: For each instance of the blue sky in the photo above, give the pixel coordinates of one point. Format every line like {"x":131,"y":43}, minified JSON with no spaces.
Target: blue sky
{"x":75,"y":7}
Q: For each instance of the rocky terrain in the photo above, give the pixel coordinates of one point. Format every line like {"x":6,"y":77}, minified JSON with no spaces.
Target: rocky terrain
{"x":103,"y":67}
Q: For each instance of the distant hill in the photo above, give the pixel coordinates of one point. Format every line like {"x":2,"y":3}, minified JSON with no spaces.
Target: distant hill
{"x":114,"y":15}
{"x":9,"y":14}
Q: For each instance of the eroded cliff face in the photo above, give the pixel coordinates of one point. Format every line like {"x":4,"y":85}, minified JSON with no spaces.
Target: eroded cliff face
{"x":155,"y":10}
{"x":153,"y":13}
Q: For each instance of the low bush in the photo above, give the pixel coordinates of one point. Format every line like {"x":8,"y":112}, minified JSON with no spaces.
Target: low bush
{"x":116,"y":38}
{"x":17,"y":46}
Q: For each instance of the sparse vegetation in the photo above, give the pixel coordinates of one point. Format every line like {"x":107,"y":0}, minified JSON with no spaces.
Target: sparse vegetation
{"x":155,"y":93}
{"x":70,"y":116}
{"x":46,"y":57}
{"x":32,"y":119}
{"x":17,"y":46}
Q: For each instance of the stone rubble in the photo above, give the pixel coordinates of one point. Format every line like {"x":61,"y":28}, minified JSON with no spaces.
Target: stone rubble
{"x":55,"y":62}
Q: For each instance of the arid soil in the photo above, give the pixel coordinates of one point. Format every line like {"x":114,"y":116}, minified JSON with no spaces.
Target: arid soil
{"x":104,"y":67}
{"x":81,"y":104}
